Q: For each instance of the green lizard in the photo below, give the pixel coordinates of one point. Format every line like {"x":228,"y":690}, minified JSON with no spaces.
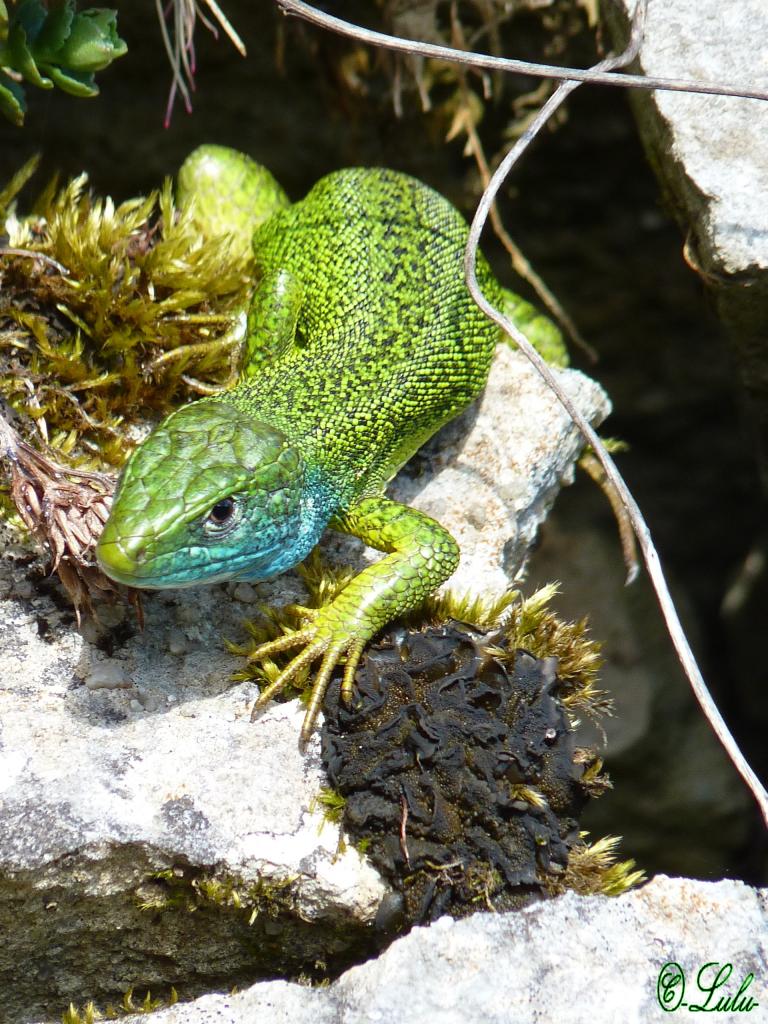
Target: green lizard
{"x":362,"y":341}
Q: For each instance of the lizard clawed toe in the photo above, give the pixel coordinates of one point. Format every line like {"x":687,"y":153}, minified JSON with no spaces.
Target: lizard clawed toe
{"x":332,"y":651}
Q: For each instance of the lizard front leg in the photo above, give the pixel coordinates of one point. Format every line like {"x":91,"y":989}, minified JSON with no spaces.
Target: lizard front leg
{"x":421,"y":555}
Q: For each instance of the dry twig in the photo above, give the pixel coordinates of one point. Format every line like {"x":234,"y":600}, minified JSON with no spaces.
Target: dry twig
{"x":65,"y":510}
{"x":520,"y":263}
{"x":650,"y":555}
{"x":523,"y":67}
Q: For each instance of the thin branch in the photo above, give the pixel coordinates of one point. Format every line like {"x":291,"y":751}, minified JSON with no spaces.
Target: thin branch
{"x":225,"y":23}
{"x":650,"y":555}
{"x":593,"y":468}
{"x":596,"y":75}
{"x":33,"y":255}
{"x":520,"y":262}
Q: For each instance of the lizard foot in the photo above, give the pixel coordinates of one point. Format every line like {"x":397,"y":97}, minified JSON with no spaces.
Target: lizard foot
{"x":318,"y":639}
{"x":420,"y":555}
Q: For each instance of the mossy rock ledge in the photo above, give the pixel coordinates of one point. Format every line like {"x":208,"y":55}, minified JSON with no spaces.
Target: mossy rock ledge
{"x":150,"y":834}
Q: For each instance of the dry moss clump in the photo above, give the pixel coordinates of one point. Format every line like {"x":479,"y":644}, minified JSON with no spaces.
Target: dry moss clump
{"x":110,"y":314}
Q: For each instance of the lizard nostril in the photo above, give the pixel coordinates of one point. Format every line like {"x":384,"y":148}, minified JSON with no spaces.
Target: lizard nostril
{"x":118,"y":559}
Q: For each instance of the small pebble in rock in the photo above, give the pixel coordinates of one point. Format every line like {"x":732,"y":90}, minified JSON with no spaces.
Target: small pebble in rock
{"x":24,"y":589}
{"x":177,"y":644}
{"x":135,"y":705}
{"x":187,"y":614}
{"x":108,"y":675}
{"x":246,"y":593}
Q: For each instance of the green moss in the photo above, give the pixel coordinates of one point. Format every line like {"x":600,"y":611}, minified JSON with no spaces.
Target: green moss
{"x":192,"y":890}
{"x":89,"y":1014}
{"x":593,"y":870}
{"x":526,"y":622}
{"x":129,"y":312}
{"x":332,"y":803}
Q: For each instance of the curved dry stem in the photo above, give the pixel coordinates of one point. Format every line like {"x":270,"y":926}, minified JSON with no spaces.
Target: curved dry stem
{"x":650,"y":555}
{"x":592,"y":467}
{"x":520,"y":262}
{"x":33,"y":255}
{"x":598,"y":75}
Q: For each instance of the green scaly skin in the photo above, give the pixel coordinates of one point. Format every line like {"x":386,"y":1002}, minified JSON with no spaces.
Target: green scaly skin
{"x":362,"y":342}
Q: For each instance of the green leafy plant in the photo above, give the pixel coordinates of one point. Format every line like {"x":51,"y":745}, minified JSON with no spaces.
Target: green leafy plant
{"x":53,"y":45}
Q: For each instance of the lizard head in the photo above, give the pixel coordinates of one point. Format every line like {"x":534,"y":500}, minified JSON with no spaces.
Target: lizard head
{"x":210,"y":495}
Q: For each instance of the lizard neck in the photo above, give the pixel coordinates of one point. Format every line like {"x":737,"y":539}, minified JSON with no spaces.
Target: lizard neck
{"x":315,"y":509}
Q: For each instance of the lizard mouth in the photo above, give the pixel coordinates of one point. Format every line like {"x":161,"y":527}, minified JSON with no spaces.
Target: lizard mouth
{"x":116,"y":562}
{"x":125,"y":566}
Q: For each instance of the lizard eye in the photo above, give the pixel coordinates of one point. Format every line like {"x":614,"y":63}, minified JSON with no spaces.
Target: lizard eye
{"x":221,"y":515}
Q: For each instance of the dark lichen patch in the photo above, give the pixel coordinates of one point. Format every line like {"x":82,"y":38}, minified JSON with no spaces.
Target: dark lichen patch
{"x":459,"y":767}
{"x":459,"y":771}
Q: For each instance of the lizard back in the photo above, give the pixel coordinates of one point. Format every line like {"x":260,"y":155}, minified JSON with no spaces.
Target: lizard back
{"x":389,"y":344}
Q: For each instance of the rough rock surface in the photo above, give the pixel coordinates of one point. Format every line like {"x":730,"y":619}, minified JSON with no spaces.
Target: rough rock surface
{"x":130,"y":774}
{"x":575,"y":960}
{"x":711,"y":155}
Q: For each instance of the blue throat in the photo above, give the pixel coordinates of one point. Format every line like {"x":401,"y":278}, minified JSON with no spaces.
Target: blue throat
{"x":317,"y":507}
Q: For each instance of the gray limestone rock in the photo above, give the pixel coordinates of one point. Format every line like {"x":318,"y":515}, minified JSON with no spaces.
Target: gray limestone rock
{"x":574,"y":960}
{"x":711,"y":155}
{"x":149,"y":833}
